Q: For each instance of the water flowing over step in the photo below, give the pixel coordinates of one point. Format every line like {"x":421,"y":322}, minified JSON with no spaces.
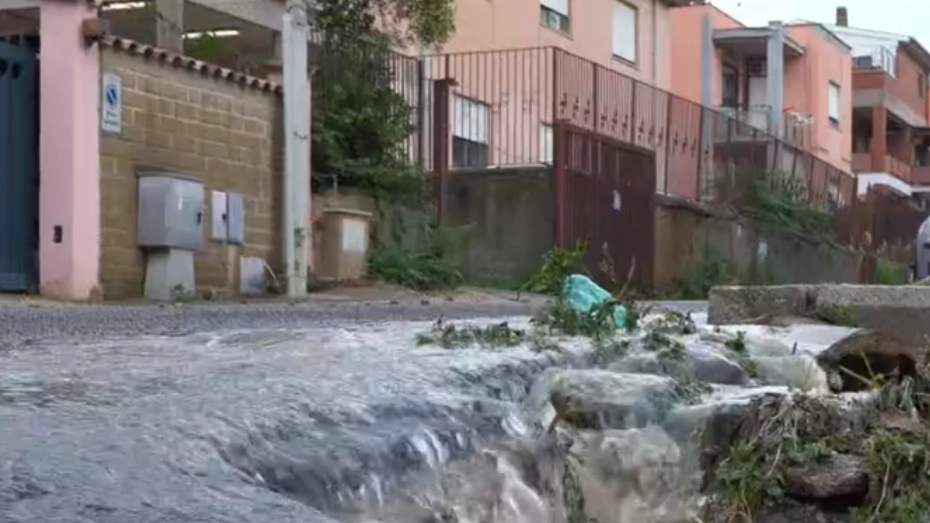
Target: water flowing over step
{"x":360,"y":424}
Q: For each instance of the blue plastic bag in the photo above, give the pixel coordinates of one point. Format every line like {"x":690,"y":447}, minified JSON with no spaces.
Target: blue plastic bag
{"x":583,"y":295}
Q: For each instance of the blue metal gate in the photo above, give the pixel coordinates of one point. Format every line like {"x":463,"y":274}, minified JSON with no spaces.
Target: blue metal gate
{"x":19,"y":167}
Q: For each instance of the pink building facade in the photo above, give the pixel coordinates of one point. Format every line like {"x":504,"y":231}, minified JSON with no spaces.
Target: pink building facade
{"x":69,"y":154}
{"x":630,"y":36}
{"x":517,"y":64}
{"x":799,"y":90}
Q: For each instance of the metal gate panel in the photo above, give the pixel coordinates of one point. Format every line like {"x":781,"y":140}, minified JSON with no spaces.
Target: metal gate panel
{"x":605,"y":192}
{"x":19,"y":167}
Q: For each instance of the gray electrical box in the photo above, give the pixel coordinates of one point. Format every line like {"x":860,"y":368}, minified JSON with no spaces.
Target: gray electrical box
{"x":235,"y":218}
{"x":170,"y":212}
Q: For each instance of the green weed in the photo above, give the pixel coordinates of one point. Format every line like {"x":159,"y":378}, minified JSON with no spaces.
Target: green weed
{"x":747,"y":482}
{"x":710,"y":271}
{"x":432,"y":265}
{"x":737,"y":343}
{"x":557,"y":265}
{"x":450,"y":336}
{"x":890,"y":272}
{"x":665,"y":347}
{"x":836,"y":314}
{"x":780,"y":199}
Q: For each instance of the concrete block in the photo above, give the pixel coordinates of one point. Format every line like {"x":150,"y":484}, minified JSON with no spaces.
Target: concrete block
{"x":735,"y":305}
{"x":899,"y":311}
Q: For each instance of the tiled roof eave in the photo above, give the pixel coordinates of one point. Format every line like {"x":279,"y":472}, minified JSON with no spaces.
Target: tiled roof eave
{"x":180,"y":61}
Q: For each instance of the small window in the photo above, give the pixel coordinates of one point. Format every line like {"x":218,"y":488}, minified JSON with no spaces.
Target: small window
{"x":470,"y":122}
{"x":625,"y":35}
{"x":922,"y":85}
{"x":546,"y":144}
{"x":833,"y":103}
{"x":554,"y":14}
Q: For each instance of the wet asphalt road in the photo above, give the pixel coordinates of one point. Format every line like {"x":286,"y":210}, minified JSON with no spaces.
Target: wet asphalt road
{"x":237,"y":413}
{"x":23,"y":324}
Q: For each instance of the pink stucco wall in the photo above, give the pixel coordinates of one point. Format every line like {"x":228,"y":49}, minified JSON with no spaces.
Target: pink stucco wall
{"x":69,"y":153}
{"x":807,"y":82}
{"x":501,"y":57}
{"x":514,"y":24}
{"x":687,"y":34}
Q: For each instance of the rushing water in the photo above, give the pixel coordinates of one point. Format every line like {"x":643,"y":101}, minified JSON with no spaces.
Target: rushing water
{"x":317,"y":425}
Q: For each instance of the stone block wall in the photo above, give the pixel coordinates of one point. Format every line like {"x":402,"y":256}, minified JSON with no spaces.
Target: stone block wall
{"x":687,"y":232}
{"x":200,"y":122}
{"x":510,"y":219}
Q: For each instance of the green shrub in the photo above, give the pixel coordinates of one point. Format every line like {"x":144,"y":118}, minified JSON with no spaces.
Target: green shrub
{"x":432,"y":264}
{"x":711,"y":270}
{"x":890,"y":272}
{"x":557,"y":265}
{"x":780,"y":200}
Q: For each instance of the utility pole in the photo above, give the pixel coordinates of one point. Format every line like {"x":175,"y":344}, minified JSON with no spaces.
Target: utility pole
{"x":169,"y":25}
{"x":296,"y":197}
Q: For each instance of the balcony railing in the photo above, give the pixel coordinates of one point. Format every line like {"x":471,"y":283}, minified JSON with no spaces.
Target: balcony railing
{"x":897,"y":167}
{"x":863,"y":162}
{"x":877,"y":57}
{"x":921,"y":175}
{"x":756,"y":119}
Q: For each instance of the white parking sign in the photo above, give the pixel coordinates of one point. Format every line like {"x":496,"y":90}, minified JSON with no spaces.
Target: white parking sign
{"x":111,"y":105}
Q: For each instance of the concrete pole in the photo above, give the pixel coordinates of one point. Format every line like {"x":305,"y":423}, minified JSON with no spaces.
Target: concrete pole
{"x":707,"y":57}
{"x":169,"y":25}
{"x":775,"y":88}
{"x":708,"y":116}
{"x":296,"y":197}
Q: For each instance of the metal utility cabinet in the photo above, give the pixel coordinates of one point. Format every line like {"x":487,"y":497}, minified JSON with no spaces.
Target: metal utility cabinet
{"x":170,"y":229}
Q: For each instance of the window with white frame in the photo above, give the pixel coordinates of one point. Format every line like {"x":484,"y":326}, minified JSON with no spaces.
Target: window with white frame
{"x":625,"y":27}
{"x":833,"y":103}
{"x":546,"y":143}
{"x":554,"y":14}
{"x":470,"y":122}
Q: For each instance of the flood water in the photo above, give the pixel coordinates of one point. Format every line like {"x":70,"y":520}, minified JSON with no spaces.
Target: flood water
{"x":276,"y":425}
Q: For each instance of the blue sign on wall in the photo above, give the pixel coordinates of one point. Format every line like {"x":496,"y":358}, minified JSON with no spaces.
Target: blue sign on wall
{"x":111,"y":106}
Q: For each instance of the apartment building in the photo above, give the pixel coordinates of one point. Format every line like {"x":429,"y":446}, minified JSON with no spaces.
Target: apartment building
{"x":891,"y":138}
{"x":791,"y":80}
{"x":630,"y":36}
{"x":498,"y":85}
{"x":503,"y":61}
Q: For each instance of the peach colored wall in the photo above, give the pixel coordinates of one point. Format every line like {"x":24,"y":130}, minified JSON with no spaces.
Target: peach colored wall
{"x":512,"y":24}
{"x":807,"y":82}
{"x":806,"y":78}
{"x":687,"y":28}
{"x":905,"y":84}
{"x":500,"y":56}
{"x":69,"y":151}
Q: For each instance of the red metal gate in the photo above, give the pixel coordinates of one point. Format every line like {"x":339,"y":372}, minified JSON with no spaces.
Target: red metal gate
{"x":605,"y":196}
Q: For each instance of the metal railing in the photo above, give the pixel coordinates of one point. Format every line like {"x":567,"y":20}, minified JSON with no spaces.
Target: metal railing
{"x":504,"y":104}
{"x":359,"y":72}
{"x":502,"y":107}
{"x":756,"y":116}
{"x":795,"y":129}
{"x":876,"y":57}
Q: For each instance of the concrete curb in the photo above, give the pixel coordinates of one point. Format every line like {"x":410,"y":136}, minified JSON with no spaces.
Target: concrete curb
{"x":899,"y":311}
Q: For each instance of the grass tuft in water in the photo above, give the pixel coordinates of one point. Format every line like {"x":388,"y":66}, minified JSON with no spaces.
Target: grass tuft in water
{"x":559,"y":316}
{"x":451,"y":336}
{"x":892,"y":439}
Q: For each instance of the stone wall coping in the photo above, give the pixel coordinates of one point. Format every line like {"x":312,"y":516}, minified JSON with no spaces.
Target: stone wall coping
{"x":179,"y":61}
